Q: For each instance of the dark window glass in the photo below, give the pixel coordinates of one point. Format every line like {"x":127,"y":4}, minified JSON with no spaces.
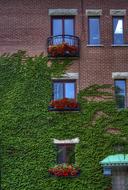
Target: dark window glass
{"x":66,"y":153}
{"x":63,"y":89}
{"x":120,"y":93}
{"x":63,"y":26}
{"x":94,"y":30}
{"x":118,"y":32}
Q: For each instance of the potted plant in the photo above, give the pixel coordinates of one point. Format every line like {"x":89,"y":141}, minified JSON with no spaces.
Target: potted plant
{"x":64,"y":170}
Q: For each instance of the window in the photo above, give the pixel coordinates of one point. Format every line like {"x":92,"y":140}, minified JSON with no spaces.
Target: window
{"x":118,"y":31}
{"x":62,"y":26}
{"x":120,"y":93}
{"x":64,"y":89}
{"x":65,"y":153}
{"x":94,"y":30}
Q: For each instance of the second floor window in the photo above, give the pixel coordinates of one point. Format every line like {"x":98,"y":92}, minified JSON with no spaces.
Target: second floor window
{"x":94,"y":30}
{"x":118,"y":30}
{"x":62,"y":26}
{"x":64,"y":89}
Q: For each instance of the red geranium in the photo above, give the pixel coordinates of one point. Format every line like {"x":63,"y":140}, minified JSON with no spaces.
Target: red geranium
{"x":64,"y":103}
{"x":61,"y":49}
{"x":64,"y":170}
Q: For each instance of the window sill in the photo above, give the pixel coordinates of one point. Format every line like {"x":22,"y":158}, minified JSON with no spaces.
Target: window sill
{"x":62,"y":177}
{"x":63,"y":110}
{"x":95,"y":45}
{"x":119,"y":45}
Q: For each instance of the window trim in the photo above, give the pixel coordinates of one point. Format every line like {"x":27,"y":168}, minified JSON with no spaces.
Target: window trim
{"x":63,"y":81}
{"x":119,"y":17}
{"x":125,"y":101}
{"x":62,"y":17}
{"x":89,"y":30}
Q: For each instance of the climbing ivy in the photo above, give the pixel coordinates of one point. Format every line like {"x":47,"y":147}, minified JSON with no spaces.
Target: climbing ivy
{"x":28,"y":129}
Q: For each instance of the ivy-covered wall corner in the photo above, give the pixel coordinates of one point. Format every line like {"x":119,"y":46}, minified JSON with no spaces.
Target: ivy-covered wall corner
{"x":28,"y":128}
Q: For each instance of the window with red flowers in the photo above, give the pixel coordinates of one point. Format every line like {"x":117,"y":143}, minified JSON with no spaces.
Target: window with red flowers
{"x":64,"y":89}
{"x":65,"y":153}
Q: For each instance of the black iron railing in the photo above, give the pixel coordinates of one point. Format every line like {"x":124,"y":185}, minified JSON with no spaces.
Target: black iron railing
{"x":63,"y":46}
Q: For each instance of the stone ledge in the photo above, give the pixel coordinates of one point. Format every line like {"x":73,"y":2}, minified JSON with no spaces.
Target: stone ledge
{"x":95,"y":45}
{"x":58,"y":12}
{"x":74,"y":76}
{"x":117,"y":12}
{"x":93,"y":12}
{"x":67,"y":141}
{"x":119,"y":45}
{"x":120,"y":75}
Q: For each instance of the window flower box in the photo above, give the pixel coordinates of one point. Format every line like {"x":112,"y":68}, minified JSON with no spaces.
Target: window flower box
{"x":62,"y":50}
{"x":64,"y":170}
{"x":64,"y":104}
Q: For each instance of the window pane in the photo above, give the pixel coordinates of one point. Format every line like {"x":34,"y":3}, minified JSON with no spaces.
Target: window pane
{"x":69,"y":30}
{"x":118,"y":30}
{"x":69,"y":26}
{"x":120,"y":93}
{"x":57,"y":30}
{"x":94,"y":31}
{"x":70,"y":90}
{"x":70,"y":154}
{"x":58,"y":90}
{"x":57,"y":26}
{"x":61,"y":154}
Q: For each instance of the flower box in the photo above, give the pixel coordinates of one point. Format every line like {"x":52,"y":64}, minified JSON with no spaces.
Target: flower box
{"x":64,"y":170}
{"x":64,"y":104}
{"x":63,"y":50}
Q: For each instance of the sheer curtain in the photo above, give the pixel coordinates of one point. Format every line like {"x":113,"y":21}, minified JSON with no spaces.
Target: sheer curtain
{"x":58,"y":91}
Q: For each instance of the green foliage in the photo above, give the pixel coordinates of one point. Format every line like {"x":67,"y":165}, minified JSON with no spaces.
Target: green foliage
{"x":28,"y":129}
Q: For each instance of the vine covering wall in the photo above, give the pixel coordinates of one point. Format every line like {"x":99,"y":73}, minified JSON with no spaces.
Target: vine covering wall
{"x":28,"y":129}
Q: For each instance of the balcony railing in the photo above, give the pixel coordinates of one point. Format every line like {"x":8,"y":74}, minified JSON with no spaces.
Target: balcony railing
{"x":63,"y":46}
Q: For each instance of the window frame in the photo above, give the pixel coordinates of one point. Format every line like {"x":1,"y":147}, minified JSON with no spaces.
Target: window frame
{"x":125,"y":101}
{"x":63,"y":18}
{"x":89,"y":17}
{"x":63,"y":81}
{"x":113,"y":42}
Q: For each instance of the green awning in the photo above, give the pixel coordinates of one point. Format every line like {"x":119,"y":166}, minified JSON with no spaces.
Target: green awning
{"x":115,"y":160}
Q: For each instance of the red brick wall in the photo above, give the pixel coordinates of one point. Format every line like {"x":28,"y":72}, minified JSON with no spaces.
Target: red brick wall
{"x":26,"y":25}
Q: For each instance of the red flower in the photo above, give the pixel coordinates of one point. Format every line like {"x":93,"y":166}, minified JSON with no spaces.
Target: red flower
{"x":64,"y":103}
{"x":61,"y":49}
{"x":73,"y":173}
{"x":64,"y":170}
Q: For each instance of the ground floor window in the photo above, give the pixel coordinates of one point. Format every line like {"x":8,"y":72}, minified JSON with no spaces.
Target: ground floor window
{"x":64,"y":89}
{"x":66,"y":153}
{"x":120,"y":93}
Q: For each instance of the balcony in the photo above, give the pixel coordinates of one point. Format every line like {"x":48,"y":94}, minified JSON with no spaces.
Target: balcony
{"x":62,"y":46}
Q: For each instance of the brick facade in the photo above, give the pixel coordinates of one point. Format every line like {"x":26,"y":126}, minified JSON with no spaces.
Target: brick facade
{"x":26,"y":25}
